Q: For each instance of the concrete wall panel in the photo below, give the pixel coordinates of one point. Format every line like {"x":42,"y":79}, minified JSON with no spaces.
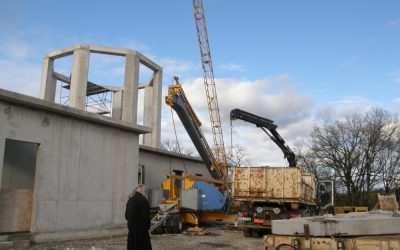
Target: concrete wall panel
{"x":158,"y":165}
{"x":94,"y":214}
{"x":118,"y":214}
{"x":84,"y":172}
{"x":46,"y":216}
{"x":66,"y":219}
{"x":70,"y":154}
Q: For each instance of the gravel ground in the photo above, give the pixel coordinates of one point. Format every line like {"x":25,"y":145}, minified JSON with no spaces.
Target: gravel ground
{"x":216,"y":237}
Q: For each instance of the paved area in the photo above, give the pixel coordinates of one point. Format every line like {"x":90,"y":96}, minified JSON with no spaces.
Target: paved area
{"x":216,"y":237}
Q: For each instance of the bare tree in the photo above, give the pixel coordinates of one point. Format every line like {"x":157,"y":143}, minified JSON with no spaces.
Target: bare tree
{"x":174,"y":146}
{"x":307,"y":161}
{"x":389,"y":160}
{"x":237,"y":156}
{"x":354,"y":151}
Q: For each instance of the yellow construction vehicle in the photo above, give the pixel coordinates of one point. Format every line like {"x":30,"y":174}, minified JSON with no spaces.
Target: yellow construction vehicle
{"x":190,"y":198}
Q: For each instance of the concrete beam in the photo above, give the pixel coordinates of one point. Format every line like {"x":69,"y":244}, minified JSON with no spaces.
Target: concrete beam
{"x":109,"y":50}
{"x":48,"y":82}
{"x":62,"y":77}
{"x":56,"y":54}
{"x":130,"y":94}
{"x":147,"y":62}
{"x":79,"y":78}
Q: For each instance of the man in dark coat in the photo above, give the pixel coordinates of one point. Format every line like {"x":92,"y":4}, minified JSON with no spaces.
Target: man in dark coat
{"x":137,"y":214}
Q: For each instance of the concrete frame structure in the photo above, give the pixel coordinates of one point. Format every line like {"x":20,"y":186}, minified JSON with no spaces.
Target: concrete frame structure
{"x":86,"y":163}
{"x":125,"y":99}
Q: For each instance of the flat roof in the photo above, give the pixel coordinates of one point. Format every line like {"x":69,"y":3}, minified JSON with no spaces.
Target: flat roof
{"x":170,"y":153}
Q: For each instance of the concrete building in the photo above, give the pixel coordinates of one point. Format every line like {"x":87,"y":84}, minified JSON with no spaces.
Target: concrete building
{"x":66,"y":172}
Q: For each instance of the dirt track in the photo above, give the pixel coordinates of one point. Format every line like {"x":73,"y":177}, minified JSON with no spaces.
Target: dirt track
{"x":216,"y":237}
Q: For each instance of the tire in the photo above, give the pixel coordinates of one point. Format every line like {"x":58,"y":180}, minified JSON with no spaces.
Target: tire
{"x":177,"y":228}
{"x":247,"y":232}
{"x":255,"y":233}
{"x":286,"y":247}
{"x":159,"y":230}
{"x":169,"y":225}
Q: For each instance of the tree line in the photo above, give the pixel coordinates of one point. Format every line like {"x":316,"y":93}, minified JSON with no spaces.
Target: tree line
{"x":361,"y":154}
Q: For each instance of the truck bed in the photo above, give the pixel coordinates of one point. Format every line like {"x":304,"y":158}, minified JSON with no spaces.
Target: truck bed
{"x":274,"y":184}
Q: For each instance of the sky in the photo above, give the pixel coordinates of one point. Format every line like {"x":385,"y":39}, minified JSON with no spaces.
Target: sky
{"x":297,"y":63}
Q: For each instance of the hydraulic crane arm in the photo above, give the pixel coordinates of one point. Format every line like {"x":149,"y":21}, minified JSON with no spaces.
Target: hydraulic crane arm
{"x":267,"y":125}
{"x":177,"y":100}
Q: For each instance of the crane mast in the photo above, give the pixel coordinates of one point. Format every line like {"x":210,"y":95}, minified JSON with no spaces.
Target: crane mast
{"x":209,"y":83}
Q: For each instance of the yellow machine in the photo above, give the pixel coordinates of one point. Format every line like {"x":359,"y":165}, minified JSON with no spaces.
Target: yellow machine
{"x":190,"y":198}
{"x":345,"y":210}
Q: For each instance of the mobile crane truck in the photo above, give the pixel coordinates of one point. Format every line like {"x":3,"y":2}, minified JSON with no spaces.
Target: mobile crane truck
{"x":190,"y":198}
{"x":269,"y":193}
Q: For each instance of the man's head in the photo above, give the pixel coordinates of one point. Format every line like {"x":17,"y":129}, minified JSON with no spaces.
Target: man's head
{"x":142,"y":189}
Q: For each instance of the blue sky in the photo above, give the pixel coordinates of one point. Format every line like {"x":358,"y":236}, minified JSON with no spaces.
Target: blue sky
{"x":295,"y":62}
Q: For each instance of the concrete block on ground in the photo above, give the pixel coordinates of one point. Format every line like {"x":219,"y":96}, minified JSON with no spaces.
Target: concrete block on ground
{"x":21,"y":244}
{"x":351,"y":224}
{"x":6,"y":245}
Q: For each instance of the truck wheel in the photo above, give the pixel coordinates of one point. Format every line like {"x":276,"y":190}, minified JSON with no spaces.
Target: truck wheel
{"x":247,"y":232}
{"x":169,"y":225}
{"x":255,"y":233}
{"x":177,"y":224}
{"x":159,"y":230}
{"x":285,"y":247}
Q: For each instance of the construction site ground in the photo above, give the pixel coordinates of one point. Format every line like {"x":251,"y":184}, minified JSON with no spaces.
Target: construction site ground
{"x":215,"y":237}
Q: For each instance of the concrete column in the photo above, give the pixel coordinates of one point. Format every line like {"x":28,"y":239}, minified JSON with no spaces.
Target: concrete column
{"x":48,"y":82}
{"x":79,"y":78}
{"x":117,"y":105}
{"x":152,"y":111}
{"x":130,"y":94}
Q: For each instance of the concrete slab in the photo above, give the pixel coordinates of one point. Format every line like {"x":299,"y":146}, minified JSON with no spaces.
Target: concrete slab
{"x":6,"y":245}
{"x":351,"y":224}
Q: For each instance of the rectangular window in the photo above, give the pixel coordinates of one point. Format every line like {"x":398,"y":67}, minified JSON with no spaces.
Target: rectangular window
{"x":141,"y":174}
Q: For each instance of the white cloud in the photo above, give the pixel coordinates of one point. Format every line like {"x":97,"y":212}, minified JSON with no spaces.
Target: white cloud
{"x":15,"y":50}
{"x":289,"y":109}
{"x":344,"y":107}
{"x":232,"y":67}
{"x":17,"y":73}
{"x":325,"y":112}
{"x":174,"y":66}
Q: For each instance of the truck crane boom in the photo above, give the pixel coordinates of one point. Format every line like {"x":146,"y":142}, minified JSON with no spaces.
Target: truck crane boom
{"x":177,"y":100}
{"x":266,"y":125}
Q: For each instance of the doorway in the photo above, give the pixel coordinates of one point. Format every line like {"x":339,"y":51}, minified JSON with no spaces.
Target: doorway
{"x":17,"y":185}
